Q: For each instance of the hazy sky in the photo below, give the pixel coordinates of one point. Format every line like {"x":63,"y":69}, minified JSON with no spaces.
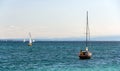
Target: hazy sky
{"x":58,"y":18}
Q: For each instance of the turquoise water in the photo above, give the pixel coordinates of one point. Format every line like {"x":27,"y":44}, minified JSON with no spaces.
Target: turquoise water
{"x":58,"y":56}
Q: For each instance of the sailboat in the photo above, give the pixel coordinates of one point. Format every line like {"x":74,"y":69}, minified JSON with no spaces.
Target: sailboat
{"x":30,"y":40}
{"x":86,"y":54}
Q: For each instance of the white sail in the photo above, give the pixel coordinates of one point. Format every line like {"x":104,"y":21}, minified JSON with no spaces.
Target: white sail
{"x":30,"y":39}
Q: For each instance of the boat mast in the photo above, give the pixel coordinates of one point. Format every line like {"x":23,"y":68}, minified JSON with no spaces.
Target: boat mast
{"x":87,"y":28}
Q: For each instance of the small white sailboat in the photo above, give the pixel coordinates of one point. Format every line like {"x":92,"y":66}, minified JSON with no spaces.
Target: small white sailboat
{"x":30,"y":40}
{"x":86,"y":54}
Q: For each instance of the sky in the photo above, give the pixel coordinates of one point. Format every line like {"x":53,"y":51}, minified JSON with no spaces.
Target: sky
{"x":59,"y":18}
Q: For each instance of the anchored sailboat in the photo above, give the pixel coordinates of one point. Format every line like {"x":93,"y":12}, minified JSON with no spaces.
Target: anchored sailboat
{"x":86,"y":54}
{"x":30,"y":40}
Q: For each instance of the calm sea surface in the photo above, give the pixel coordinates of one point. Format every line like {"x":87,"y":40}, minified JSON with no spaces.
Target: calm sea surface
{"x":58,"y":56}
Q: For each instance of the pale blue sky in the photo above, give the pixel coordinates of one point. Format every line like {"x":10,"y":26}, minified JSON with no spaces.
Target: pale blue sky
{"x":58,"y":18}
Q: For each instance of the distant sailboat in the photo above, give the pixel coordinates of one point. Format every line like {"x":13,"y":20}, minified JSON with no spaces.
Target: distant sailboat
{"x":30,"y":40}
{"x":86,"y":54}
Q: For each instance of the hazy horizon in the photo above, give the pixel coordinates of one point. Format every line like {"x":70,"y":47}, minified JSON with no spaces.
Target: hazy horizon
{"x":102,"y":38}
{"x":59,"y":19}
